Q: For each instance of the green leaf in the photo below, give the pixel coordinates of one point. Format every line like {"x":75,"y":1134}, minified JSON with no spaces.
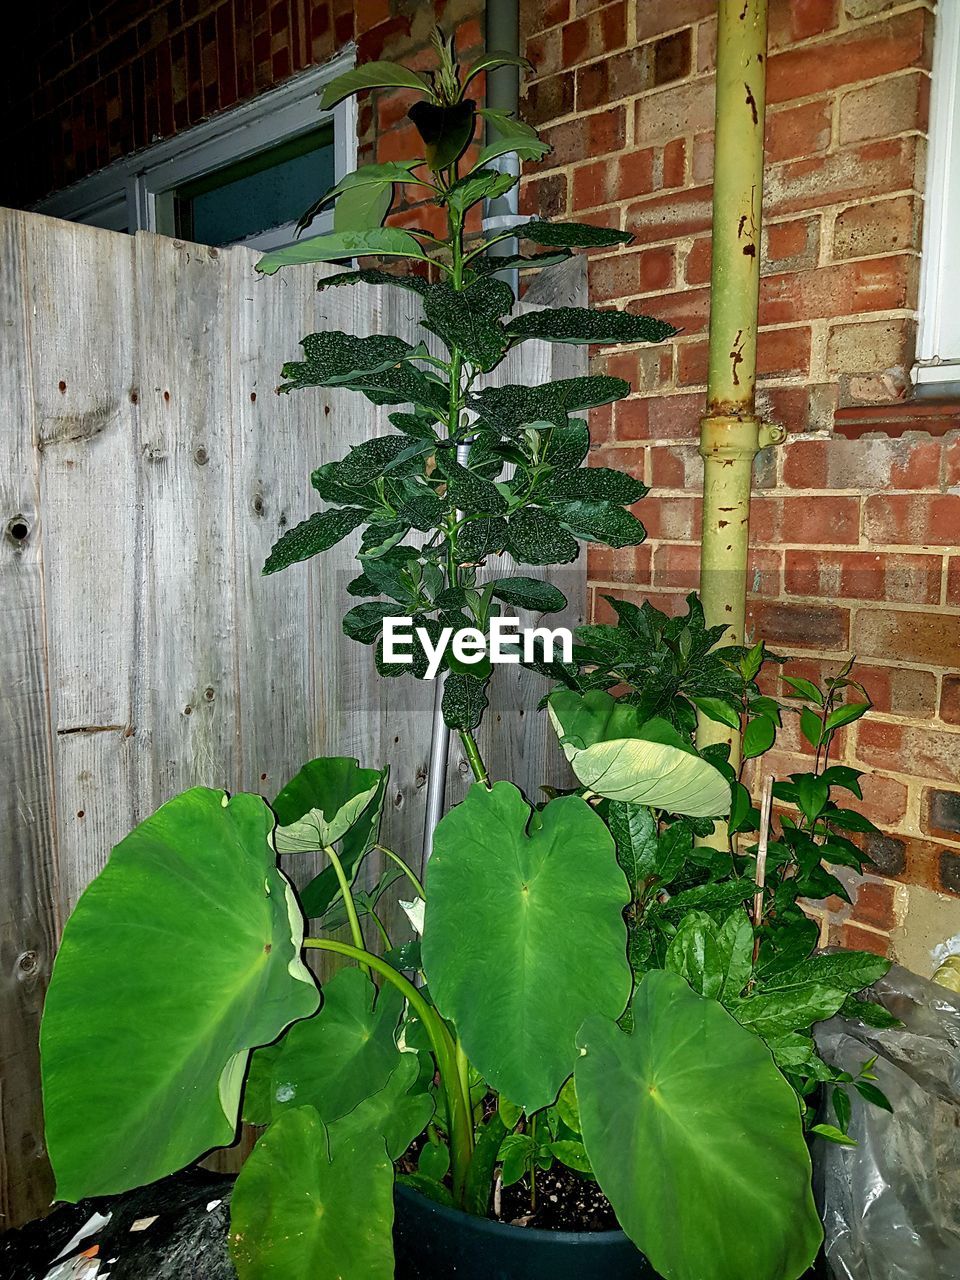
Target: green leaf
{"x":587,"y":325}
{"x":615,"y":754}
{"x":364,"y":195}
{"x":380,"y":367}
{"x":372,"y":75}
{"x":810,"y":726}
{"x":694,"y":955}
{"x":869,"y":1012}
{"x":530,"y":593}
{"x":434,"y":1160}
{"x":501,"y":885}
{"x":772,"y":1014}
{"x":512,"y":408}
{"x":508,"y":1112}
{"x":742,"y":814}
{"x":405,"y":957}
{"x":846,"y":714}
{"x":428,"y":1187}
{"x":311,"y":537}
{"x":469,"y":491}
{"x":735,"y":945}
{"x":312,"y":1201}
{"x":490,"y":60}
{"x":812,"y":793}
{"x":388,"y":242}
{"x":568,"y":1106}
{"x":489,"y":262}
{"x":480,"y":184}
{"x":872,"y":1094}
{"x":634,"y":831}
{"x":572,"y":1154}
{"x":848,"y":970}
{"x":516,"y":1152}
{"x":325,"y":800}
{"x":332,"y":1061}
{"x":594,"y":484}
{"x":373,"y":275}
{"x":804,"y":689}
{"x":402,"y":1109}
{"x":140,"y":1077}
{"x":572,"y":235}
{"x":481,"y":538}
{"x":535,"y":536}
{"x":364,"y":622}
{"x":731,"y":1197}
{"x":446,"y":130}
{"x":841,"y":1107}
{"x":758,"y":737}
{"x":476,"y":1194}
{"x":601,"y":522}
{"x":718,"y":710}
{"x":841,"y":775}
{"x":464,"y":699}
{"x":832,"y":1134}
{"x":469,"y":319}
{"x":511,"y":136}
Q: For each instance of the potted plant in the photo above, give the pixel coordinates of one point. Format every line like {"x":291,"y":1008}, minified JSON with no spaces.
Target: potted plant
{"x":603,"y":1019}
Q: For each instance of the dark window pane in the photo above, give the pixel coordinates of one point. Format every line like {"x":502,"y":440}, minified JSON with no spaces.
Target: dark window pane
{"x":253,"y":195}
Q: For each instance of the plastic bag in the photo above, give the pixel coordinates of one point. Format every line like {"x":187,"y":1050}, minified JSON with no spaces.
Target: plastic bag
{"x":891,"y":1205}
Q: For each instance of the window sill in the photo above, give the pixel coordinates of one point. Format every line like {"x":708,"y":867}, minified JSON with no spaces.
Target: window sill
{"x":935,"y":417}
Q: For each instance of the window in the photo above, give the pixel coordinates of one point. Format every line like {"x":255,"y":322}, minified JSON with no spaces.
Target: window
{"x":938,"y":340}
{"x":242,"y":177}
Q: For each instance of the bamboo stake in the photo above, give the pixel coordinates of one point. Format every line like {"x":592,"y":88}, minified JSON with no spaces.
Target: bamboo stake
{"x":766,"y":803}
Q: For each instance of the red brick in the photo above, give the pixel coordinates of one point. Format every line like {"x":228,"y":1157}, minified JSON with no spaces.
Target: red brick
{"x":798,"y":131}
{"x":692,"y":362}
{"x":805,"y":626}
{"x":673,"y":112}
{"x":696,"y":267}
{"x":909,"y":749}
{"x":863,"y":576}
{"x":884,"y":799}
{"x":899,"y":691}
{"x":617,"y":276}
{"x":624,"y":564}
{"x":882,"y":284}
{"x":912,"y":520}
{"x":687,"y":310}
{"x":783,"y":351}
{"x":929,"y":638}
{"x":674,"y":163}
{"x":873,"y":904}
{"x":549,"y":13}
{"x":800,"y":521}
{"x":676,"y":519}
{"x":657,"y":270}
{"x":597,"y":34}
{"x":801,"y":19}
{"x":632,"y":419}
{"x":874,"y":462}
{"x":668,"y":217}
{"x":653,"y":20}
{"x":950,"y":700}
{"x":862,"y":53}
{"x":852,"y":938}
{"x":953,"y":580}
{"x":675,"y":466}
{"x":788,"y":240}
{"x":885,"y":108}
{"x":676,"y":417}
{"x":882,"y":226}
{"x":596,"y":134}
{"x":940,"y":813}
{"x":862,"y":172}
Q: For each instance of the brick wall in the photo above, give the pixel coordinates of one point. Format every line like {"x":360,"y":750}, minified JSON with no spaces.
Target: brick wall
{"x":852,"y":536}
{"x":99,"y":80}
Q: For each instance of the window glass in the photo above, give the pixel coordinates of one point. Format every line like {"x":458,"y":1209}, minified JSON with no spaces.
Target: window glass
{"x":268,"y":190}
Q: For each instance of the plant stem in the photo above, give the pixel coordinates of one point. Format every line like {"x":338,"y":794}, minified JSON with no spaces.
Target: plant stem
{"x":349,"y":905}
{"x":460,"y":1125}
{"x":384,"y":936}
{"x":411,"y":876}
{"x":475,"y":759}
{"x":533,"y":1166}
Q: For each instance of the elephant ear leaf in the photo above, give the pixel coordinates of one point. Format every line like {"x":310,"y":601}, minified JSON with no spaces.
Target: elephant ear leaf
{"x":618,"y":755}
{"x":326,"y":799}
{"x":140,"y":1077}
{"x":692,"y":1094}
{"x":313,"y":1200}
{"x":503,"y":884}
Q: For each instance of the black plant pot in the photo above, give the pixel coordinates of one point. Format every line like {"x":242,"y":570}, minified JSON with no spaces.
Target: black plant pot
{"x":433,"y":1242}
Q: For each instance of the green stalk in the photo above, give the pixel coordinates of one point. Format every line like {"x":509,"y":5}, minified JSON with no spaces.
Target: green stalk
{"x":459,"y":1121}
{"x":349,"y":905}
{"x":411,"y":876}
{"x":472,"y":752}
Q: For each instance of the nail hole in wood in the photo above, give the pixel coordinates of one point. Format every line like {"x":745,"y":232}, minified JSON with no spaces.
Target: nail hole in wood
{"x":17,"y":529}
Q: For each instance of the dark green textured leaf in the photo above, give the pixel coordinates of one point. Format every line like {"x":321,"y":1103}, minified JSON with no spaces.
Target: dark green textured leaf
{"x":418,"y":425}
{"x":470,"y":318}
{"x":774,"y":1014}
{"x":390,"y":242}
{"x":489,"y":262}
{"x":634,"y":832}
{"x":594,"y":484}
{"x":373,"y":275}
{"x":464,"y":700}
{"x":319,"y":533}
{"x":480,"y":538}
{"x":568,"y":445}
{"x":364,"y":622}
{"x":573,"y":235}
{"x":536,"y":537}
{"x":376,"y":366}
{"x":445,"y":130}
{"x":481,"y":184}
{"x":601,"y":522}
{"x":423,"y":512}
{"x":530,"y":593}
{"x":584,"y":324}
{"x":848,"y":970}
{"x":511,"y":408}
{"x":369,"y":460}
{"x":468,"y":491}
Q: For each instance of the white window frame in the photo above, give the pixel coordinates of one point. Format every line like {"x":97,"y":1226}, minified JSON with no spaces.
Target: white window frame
{"x":125,"y":195}
{"x":938,"y":336}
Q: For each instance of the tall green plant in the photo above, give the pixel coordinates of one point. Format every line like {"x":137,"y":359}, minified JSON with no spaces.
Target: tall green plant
{"x":594,"y":991}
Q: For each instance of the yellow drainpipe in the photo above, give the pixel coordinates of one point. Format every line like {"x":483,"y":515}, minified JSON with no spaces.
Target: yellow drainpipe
{"x":730,"y":433}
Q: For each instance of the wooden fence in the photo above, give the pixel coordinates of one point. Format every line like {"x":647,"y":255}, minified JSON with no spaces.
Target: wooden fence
{"x":146,"y":468}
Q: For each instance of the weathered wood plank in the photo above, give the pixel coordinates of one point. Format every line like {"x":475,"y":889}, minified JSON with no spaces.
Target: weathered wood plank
{"x":29,"y":892}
